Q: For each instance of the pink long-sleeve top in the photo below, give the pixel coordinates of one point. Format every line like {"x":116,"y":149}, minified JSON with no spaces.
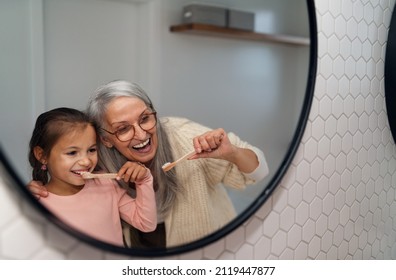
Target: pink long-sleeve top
{"x":96,"y":210}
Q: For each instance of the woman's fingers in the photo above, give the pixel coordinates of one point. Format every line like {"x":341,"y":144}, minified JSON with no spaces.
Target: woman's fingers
{"x":37,"y":189}
{"x":209,"y":141}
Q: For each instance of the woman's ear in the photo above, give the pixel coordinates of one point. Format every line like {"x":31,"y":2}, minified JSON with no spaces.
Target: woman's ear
{"x":106,"y":142}
{"x":39,"y":154}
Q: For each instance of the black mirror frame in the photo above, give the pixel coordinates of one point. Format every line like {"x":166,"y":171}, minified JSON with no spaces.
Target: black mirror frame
{"x":246,"y":214}
{"x":390,"y":75}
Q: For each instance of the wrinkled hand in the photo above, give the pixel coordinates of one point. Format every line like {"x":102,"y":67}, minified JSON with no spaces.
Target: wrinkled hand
{"x":132,"y":172}
{"x":213,"y":144}
{"x":216,"y":144}
{"x":37,"y":189}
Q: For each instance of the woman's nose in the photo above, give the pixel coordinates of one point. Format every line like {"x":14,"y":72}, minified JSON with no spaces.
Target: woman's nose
{"x":139,"y":132}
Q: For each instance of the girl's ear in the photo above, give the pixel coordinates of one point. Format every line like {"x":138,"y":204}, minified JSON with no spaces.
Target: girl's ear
{"x":106,"y":142}
{"x":39,"y":154}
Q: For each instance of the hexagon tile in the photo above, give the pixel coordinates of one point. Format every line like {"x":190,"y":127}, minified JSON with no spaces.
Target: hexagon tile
{"x":338,"y":198}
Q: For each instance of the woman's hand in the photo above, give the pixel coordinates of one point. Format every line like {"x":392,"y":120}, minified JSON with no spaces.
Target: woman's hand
{"x":215,"y":144}
{"x":37,"y":189}
{"x":132,"y":172}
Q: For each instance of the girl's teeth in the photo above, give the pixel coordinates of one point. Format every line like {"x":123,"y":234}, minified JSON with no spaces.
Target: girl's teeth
{"x":80,"y":172}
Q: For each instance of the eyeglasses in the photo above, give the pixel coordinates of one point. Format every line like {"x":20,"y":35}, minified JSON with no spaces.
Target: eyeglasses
{"x":127,"y":131}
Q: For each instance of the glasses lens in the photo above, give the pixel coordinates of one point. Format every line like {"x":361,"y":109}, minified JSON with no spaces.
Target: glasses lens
{"x":147,"y":122}
{"x":126,"y":133}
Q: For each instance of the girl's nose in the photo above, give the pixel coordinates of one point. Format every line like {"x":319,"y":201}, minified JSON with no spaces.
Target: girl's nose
{"x":85,"y":161}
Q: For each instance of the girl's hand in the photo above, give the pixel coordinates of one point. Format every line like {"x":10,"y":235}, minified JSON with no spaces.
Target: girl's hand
{"x":132,"y":171}
{"x":214,"y":144}
{"x":37,"y":189}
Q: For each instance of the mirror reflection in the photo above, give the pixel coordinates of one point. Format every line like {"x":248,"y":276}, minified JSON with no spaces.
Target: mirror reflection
{"x":390,"y":73}
{"x":58,"y":52}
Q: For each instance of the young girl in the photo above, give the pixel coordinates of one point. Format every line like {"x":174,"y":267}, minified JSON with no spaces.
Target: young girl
{"x":62,"y":147}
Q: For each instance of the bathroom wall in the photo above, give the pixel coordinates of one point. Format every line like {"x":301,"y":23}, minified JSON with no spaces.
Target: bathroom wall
{"x":336,"y":201}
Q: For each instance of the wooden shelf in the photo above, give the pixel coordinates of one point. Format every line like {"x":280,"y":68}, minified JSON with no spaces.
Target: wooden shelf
{"x":211,"y":30}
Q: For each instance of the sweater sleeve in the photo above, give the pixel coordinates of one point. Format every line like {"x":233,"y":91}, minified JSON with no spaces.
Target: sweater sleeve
{"x":262,"y":169}
{"x":221,"y":171}
{"x":140,"y":212}
{"x":216,"y":170}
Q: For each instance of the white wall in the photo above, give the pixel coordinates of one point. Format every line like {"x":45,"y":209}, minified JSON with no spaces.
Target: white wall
{"x":337,"y":200}
{"x":17,"y":105}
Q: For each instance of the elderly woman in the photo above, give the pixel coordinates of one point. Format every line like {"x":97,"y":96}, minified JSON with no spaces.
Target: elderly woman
{"x":191,"y":198}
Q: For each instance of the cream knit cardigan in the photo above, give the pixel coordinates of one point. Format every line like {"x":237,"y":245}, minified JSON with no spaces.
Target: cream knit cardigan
{"x":204,"y":206}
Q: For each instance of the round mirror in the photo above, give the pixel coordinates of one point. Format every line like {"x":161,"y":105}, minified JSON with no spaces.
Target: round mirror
{"x":390,"y":74}
{"x":258,"y":84}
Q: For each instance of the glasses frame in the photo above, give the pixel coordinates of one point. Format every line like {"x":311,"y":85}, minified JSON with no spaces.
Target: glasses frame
{"x":115,"y":133}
